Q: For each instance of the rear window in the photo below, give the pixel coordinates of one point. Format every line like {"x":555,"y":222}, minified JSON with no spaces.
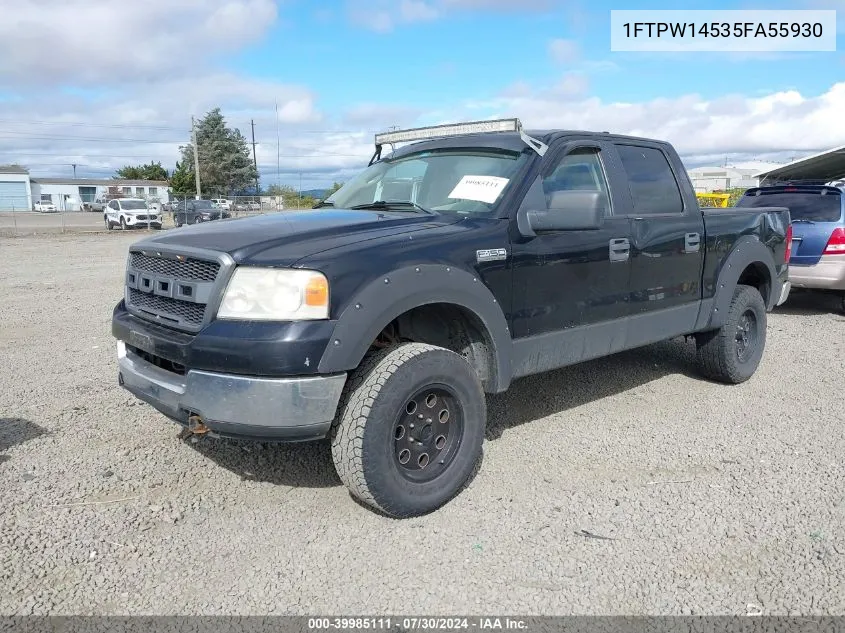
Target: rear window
{"x":802,"y":205}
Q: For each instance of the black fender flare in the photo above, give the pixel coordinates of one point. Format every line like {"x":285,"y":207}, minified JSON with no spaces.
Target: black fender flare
{"x":394,"y":293}
{"x":746,"y":251}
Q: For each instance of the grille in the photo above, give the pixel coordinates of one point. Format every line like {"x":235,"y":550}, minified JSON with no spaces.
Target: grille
{"x":169,"y":309}
{"x":190,"y":269}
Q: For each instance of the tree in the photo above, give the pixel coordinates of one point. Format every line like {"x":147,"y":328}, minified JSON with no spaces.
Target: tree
{"x":153,"y":171}
{"x":291,"y":197}
{"x":225,"y":162}
{"x":183,"y":181}
{"x":332,"y":189}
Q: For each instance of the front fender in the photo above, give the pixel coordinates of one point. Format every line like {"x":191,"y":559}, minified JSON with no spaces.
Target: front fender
{"x":401,"y":290}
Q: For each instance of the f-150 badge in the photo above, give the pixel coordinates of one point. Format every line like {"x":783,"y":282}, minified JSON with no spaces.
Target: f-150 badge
{"x":491,"y":254}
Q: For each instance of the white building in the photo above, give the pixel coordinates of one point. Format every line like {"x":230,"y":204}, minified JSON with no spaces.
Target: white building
{"x":707,"y":179}
{"x":15,"y":190}
{"x":69,"y":194}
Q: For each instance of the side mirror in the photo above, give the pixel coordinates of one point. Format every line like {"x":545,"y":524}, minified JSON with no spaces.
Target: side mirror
{"x":568,"y":211}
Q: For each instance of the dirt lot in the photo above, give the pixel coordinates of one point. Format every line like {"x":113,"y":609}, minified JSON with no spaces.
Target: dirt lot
{"x":715,"y":499}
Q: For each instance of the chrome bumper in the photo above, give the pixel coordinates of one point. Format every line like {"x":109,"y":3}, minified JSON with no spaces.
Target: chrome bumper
{"x":784,"y":292}
{"x":827,"y":274}
{"x":289,"y":409}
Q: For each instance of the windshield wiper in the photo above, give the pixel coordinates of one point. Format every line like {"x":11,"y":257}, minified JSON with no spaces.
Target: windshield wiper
{"x":802,"y":221}
{"x":384,"y":204}
{"x":323,"y":204}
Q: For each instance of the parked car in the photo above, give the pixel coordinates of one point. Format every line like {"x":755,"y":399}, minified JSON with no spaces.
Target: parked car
{"x":98,"y":204}
{"x":222,"y":203}
{"x":818,"y":241}
{"x":44,"y":206}
{"x":129,"y":213}
{"x":381,"y":322}
{"x":246,"y":206}
{"x":197,"y":211}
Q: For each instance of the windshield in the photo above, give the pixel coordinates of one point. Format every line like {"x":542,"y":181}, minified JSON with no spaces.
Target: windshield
{"x":202,"y":205}
{"x":133,"y":205}
{"x":457,"y":181}
{"x":802,"y":205}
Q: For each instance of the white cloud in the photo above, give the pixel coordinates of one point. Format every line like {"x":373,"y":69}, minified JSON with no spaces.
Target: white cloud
{"x":778,"y":122}
{"x":564,"y":51}
{"x":73,"y":42}
{"x":140,"y":124}
{"x":572,"y":85}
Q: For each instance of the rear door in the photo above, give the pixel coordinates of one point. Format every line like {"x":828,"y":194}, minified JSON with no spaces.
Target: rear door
{"x":667,"y":239}
{"x":816,"y":211}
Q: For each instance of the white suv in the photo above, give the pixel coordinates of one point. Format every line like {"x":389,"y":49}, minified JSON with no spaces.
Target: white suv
{"x":131,"y":212}
{"x":222,"y":203}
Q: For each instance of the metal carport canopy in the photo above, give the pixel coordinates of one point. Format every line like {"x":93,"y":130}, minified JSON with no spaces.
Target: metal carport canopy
{"x":826,"y":166}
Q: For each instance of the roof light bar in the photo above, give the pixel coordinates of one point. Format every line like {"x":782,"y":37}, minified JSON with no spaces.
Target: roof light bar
{"x":456,"y":129}
{"x":451,"y":129}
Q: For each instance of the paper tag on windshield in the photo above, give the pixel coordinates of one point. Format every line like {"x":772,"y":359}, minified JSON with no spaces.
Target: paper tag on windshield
{"x":480,"y":188}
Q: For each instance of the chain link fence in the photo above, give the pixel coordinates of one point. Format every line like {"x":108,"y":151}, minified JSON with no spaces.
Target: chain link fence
{"x":18,"y":218}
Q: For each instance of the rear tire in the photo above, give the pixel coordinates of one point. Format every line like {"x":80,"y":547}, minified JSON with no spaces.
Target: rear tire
{"x":409,"y":428}
{"x":732,"y":353}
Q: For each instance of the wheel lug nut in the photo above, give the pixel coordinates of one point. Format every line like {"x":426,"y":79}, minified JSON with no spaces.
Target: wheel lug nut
{"x":411,"y":425}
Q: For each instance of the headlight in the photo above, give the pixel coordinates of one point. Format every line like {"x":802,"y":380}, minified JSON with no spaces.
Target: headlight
{"x":272,"y":294}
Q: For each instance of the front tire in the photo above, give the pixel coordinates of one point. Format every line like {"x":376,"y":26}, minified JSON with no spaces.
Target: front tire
{"x":732,"y":353}
{"x":409,"y":428}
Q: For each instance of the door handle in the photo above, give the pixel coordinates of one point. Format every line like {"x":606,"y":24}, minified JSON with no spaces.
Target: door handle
{"x":620,"y":249}
{"x":692,"y":242}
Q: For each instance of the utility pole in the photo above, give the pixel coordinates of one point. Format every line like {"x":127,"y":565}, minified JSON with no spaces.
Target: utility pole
{"x":278,"y":151}
{"x":196,"y":157}
{"x":254,"y":159}
{"x":74,"y":171}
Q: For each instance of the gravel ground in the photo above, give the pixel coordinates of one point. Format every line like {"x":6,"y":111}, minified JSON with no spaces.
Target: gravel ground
{"x":715,"y":499}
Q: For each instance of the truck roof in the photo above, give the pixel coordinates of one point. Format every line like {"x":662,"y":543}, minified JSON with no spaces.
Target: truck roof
{"x":511,"y":140}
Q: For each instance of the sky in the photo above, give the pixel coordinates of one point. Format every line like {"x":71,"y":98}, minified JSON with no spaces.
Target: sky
{"x":102,"y":84}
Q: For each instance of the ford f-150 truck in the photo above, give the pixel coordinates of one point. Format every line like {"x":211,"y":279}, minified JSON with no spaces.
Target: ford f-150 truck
{"x":477,"y":254}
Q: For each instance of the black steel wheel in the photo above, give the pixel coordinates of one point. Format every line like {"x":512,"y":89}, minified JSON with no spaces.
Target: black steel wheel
{"x":732,"y":353}
{"x":428,"y":432}
{"x":746,"y":335}
{"x":409,"y":429}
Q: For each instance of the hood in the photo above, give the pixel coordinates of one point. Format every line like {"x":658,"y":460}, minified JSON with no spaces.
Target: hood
{"x":281,"y":239}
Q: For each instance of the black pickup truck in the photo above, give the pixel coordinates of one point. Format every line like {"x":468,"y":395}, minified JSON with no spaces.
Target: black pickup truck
{"x":449,"y":267}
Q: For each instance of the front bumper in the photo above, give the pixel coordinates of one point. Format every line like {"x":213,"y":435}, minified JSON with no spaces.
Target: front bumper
{"x":133,"y":221}
{"x":827,"y":274}
{"x":281,"y":409}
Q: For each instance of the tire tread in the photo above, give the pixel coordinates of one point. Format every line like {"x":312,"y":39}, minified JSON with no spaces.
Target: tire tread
{"x":715,"y":348}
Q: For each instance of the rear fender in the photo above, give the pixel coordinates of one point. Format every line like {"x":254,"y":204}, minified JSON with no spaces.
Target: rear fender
{"x":747,"y":250}
{"x":395,"y":293}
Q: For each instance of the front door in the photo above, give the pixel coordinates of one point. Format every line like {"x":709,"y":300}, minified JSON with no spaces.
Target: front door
{"x":566,"y":280}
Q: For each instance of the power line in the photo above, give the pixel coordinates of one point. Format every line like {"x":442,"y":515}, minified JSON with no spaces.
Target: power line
{"x":139,"y":126}
{"x":120,"y":126}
